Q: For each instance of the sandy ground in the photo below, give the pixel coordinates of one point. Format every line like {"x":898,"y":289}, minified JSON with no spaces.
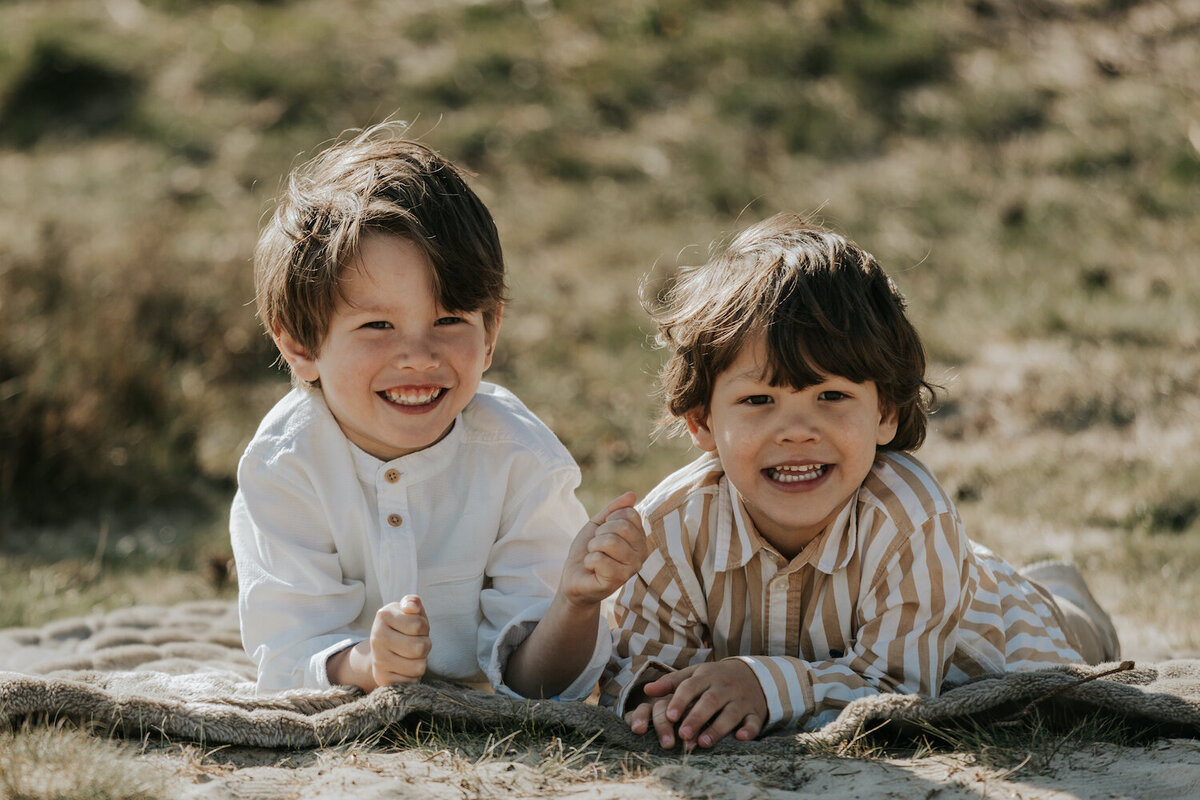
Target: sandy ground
{"x":1168,"y":768}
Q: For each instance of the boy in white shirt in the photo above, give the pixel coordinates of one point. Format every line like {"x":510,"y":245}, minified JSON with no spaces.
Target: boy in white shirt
{"x":397,"y":517}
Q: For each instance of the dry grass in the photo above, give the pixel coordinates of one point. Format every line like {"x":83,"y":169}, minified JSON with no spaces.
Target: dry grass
{"x":63,"y":763}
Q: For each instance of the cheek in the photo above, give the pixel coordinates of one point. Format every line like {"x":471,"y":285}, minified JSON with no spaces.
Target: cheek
{"x":354,"y":366}
{"x":367,"y":352}
{"x":472,"y":353}
{"x":739,"y":442}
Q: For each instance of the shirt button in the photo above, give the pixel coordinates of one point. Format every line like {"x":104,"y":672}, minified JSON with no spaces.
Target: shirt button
{"x":395,"y":520}
{"x":392,"y":475}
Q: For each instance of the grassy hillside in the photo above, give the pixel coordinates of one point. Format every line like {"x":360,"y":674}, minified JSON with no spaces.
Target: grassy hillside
{"x":1028,"y":172}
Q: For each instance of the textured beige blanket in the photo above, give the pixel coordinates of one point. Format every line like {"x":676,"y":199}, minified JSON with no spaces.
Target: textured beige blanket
{"x":180,"y":671}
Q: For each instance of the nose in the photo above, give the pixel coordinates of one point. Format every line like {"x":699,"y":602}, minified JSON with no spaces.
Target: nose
{"x":797,"y":425}
{"x":415,"y":352}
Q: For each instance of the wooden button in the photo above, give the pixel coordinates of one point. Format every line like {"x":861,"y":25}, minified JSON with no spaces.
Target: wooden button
{"x":395,"y":520}
{"x":392,"y":475}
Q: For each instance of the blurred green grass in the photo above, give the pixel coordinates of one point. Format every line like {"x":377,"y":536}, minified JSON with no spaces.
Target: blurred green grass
{"x":1028,"y":173}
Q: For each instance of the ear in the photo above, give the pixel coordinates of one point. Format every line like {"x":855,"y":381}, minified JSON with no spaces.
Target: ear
{"x":889,"y":422}
{"x":697,"y":425}
{"x":491,"y":335}
{"x":298,"y":357}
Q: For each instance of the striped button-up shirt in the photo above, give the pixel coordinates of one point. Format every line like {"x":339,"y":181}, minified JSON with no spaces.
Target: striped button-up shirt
{"x":893,"y":596}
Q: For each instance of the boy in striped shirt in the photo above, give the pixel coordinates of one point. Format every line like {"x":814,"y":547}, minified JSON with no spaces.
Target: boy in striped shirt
{"x":807,"y":558}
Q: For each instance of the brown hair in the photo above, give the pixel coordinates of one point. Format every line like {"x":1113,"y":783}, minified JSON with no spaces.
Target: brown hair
{"x":825,"y":308}
{"x":375,"y":182}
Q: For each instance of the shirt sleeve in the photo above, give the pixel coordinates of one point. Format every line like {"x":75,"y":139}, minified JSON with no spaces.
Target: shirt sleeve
{"x":909,"y":609}
{"x":523,"y":572}
{"x":295,"y":606}
{"x":658,"y":628}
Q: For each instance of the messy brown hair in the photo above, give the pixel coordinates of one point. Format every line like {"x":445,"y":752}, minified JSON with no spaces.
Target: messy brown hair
{"x":824,"y":306}
{"x":374,"y":182}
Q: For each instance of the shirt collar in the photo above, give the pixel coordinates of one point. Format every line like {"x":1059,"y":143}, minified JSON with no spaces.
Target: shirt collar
{"x":414,"y":466}
{"x":738,"y":541}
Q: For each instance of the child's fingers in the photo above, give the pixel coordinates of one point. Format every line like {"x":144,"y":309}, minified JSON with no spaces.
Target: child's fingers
{"x":622,"y":531}
{"x":719,"y":698}
{"x":627,"y":514}
{"x":708,"y":705}
{"x":687,"y":692}
{"x":399,"y":643}
{"x":606,"y":574}
{"x":664,"y":728}
{"x":666,"y":684}
{"x":602,"y":572}
{"x":722,"y":725}
{"x":638,"y":720}
{"x":406,"y":671}
{"x":404,"y":618}
{"x":409,"y":624}
{"x":398,"y":659}
{"x":411,"y":604}
{"x":626,"y":500}
{"x":613,"y":568}
{"x":617,"y":548}
{"x":389,"y":644}
{"x":752,"y":726}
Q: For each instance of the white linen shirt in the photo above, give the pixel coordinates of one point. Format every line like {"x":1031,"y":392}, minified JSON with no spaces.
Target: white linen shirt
{"x":478,"y":525}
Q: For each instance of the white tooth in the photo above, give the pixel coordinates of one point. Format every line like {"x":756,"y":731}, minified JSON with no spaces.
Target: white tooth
{"x":413,"y":398}
{"x":792,"y":474}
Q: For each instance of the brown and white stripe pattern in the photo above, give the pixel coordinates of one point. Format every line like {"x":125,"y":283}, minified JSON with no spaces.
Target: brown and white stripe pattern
{"x":892,"y":597}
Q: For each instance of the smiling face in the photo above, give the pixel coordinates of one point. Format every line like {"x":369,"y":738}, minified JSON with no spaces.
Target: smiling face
{"x":795,"y":456}
{"x":395,"y":367}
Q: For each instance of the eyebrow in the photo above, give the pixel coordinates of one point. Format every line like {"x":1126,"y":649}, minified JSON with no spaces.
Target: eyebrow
{"x":367,"y":308}
{"x":751,"y":375}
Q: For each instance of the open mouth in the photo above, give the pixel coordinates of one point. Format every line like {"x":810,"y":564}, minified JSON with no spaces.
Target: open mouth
{"x":796,"y":474}
{"x":413,"y":397}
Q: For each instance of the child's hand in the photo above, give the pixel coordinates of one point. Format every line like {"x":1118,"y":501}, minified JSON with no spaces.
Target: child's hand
{"x":399,"y":642}
{"x":653,"y":711}
{"x":606,"y":553}
{"x":708,"y":701}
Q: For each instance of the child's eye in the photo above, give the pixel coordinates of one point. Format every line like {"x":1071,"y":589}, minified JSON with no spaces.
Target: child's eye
{"x":448,"y":320}
{"x":832,"y":396}
{"x":757,"y":400}
{"x":378,"y":325}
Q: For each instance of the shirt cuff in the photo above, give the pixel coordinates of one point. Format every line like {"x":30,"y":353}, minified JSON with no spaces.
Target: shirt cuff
{"x":518,"y":630}
{"x":317,"y":675}
{"x":633,"y":680}
{"x":788,"y":691}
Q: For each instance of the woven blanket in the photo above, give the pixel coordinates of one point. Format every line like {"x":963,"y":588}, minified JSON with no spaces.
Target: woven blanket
{"x":180,"y":672}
